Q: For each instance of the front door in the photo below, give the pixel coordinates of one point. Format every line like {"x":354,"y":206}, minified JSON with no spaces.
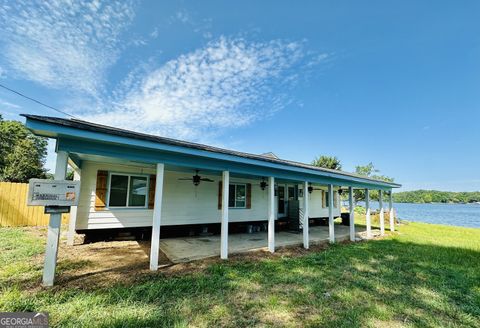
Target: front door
{"x":281,"y":201}
{"x":291,"y":193}
{"x":291,"y":196}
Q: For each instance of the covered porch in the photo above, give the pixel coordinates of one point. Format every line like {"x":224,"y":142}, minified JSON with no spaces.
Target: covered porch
{"x":185,"y":249}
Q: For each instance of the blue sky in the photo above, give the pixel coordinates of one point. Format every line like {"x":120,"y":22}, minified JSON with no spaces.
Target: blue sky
{"x":396,"y":83}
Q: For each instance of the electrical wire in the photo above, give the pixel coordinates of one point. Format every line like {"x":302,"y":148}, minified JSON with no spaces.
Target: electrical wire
{"x":35,"y":100}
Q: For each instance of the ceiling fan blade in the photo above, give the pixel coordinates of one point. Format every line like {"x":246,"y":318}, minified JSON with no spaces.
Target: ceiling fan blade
{"x":189,"y":179}
{"x":207,"y":180}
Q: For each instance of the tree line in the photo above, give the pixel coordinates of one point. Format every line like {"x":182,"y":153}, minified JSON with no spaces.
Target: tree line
{"x":435,"y":196}
{"x":368,"y":170}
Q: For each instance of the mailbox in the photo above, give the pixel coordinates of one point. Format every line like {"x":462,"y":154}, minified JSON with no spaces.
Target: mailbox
{"x":43,"y":192}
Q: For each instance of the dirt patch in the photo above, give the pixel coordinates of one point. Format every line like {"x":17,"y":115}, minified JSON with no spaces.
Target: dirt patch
{"x":103,"y":264}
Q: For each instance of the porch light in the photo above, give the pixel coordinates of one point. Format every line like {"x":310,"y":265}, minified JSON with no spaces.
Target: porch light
{"x":310,"y":189}
{"x":263,"y":184}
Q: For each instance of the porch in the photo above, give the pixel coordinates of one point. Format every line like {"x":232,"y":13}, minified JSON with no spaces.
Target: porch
{"x":184,"y":249}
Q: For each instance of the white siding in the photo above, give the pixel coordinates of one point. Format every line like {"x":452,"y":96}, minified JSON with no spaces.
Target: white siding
{"x":316,"y":209}
{"x":182,"y":202}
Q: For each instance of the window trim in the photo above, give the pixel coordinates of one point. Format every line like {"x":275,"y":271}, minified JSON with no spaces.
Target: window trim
{"x":235,"y":194}
{"x":129,"y":175}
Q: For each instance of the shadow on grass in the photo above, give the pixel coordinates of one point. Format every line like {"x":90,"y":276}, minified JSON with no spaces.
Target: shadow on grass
{"x":378,"y":283}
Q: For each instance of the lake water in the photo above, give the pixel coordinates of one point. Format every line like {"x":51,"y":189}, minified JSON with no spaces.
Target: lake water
{"x":465,"y":215}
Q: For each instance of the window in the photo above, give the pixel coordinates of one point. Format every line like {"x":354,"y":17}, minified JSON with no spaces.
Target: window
{"x":237,"y":195}
{"x":127,"y":190}
{"x":335,"y":199}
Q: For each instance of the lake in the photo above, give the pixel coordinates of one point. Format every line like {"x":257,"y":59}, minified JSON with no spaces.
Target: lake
{"x":465,"y":215}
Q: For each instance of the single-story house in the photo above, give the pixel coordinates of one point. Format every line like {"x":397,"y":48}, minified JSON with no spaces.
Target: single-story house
{"x":130,"y":179}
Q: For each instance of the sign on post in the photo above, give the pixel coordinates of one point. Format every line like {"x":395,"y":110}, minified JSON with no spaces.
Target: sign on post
{"x":43,"y":192}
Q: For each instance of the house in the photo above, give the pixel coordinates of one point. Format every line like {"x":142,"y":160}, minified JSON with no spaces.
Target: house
{"x":130,"y":179}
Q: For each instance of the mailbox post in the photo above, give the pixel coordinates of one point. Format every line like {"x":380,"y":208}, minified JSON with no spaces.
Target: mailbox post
{"x":57,"y":196}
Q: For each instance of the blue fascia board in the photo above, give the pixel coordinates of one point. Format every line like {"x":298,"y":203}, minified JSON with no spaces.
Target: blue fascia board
{"x":59,"y":131}
{"x":137,"y":154}
{"x":76,"y":160}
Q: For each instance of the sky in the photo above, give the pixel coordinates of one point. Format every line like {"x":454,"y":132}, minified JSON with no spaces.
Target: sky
{"x":396,"y":83}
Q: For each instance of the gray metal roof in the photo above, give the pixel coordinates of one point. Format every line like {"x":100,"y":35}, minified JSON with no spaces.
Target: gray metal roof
{"x":94,"y":127}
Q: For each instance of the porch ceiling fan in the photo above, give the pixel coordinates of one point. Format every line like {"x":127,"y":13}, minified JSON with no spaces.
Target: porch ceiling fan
{"x":196,"y":179}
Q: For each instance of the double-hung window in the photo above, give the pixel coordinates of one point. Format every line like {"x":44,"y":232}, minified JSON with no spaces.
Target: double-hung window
{"x":127,"y":190}
{"x":237,"y":195}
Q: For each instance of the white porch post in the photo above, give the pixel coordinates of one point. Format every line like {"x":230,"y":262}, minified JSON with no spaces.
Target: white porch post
{"x":53,"y":236}
{"x":224,"y":228}
{"x":73,"y":214}
{"x":382,"y":218}
{"x":271,"y":214}
{"x":351,"y":203}
{"x":331,"y":224}
{"x":367,"y":214}
{"x":157,"y":218}
{"x":390,"y":207}
{"x":306,"y":243}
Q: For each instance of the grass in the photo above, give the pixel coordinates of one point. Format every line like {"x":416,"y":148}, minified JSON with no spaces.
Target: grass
{"x":423,"y":276}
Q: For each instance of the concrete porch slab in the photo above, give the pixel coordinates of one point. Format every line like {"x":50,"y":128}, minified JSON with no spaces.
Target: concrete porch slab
{"x":193,"y":248}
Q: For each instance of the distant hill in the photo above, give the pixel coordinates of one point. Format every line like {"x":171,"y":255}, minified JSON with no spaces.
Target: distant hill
{"x":435,"y":196}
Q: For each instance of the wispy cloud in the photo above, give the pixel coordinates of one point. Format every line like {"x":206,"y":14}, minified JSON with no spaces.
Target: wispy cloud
{"x":4,"y":103}
{"x":226,"y":84}
{"x":183,"y":16}
{"x":154,"y":34}
{"x":199,"y":25}
{"x":63,"y":44}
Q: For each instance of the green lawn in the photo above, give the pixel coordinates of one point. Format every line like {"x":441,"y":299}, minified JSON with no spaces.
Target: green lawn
{"x":423,"y":276}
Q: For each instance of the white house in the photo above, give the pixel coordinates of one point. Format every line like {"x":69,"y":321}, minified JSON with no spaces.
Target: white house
{"x":130,"y":179}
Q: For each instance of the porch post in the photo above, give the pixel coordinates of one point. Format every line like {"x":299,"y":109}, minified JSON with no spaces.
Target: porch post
{"x":53,"y":236}
{"x":331,"y":224}
{"x":157,"y":218}
{"x":224,"y":228}
{"x":271,"y":214}
{"x":73,"y":213}
{"x":390,"y":206}
{"x":367,"y":214}
{"x":305,"y":216}
{"x":382,"y":219}
{"x":352,"y":213}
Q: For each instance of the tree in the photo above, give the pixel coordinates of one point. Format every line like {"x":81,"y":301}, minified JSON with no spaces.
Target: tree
{"x":369,"y":171}
{"x":328,"y":162}
{"x":22,"y":154}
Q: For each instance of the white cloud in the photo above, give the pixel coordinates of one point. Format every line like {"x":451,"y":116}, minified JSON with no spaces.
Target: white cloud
{"x":154,"y":34}
{"x":63,"y":44}
{"x":226,"y":84}
{"x":182,"y":16}
{"x":4,"y":103}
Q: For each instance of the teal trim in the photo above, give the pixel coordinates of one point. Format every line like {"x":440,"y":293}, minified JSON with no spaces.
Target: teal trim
{"x":76,"y":160}
{"x":136,"y":154}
